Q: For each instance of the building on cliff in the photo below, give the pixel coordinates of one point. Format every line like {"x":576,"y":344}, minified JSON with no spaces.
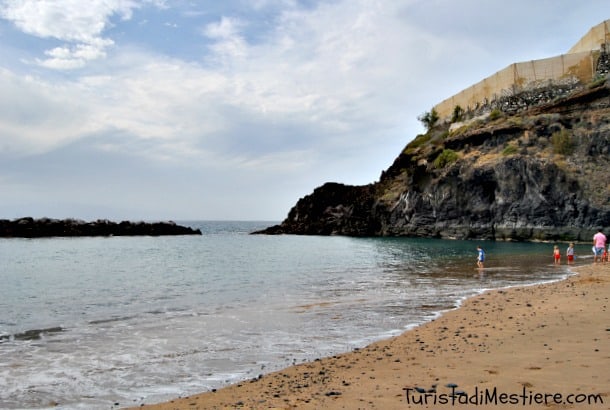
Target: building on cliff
{"x":586,"y":60}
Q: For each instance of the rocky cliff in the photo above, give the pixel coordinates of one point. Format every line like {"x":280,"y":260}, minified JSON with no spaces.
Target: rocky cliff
{"x":540,"y":174}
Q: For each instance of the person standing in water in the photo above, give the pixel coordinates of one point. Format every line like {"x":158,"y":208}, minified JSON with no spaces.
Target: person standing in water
{"x":570,"y":254}
{"x":557,"y":255}
{"x":481,"y":257}
{"x":599,"y":244}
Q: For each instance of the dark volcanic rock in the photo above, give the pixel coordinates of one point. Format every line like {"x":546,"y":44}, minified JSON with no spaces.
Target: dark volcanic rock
{"x":332,"y":209}
{"x":540,"y":175}
{"x":45,"y":227}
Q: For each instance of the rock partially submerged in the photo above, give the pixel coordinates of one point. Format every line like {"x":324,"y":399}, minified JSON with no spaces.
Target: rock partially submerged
{"x":45,"y":227}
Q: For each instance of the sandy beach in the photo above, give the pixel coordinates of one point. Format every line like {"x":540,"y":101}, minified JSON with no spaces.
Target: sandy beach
{"x":537,"y":347}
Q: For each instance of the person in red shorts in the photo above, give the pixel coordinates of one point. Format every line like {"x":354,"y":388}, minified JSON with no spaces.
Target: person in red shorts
{"x":557,"y":255}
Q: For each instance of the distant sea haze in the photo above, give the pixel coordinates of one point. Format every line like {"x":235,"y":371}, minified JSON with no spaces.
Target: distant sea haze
{"x":107,"y":322}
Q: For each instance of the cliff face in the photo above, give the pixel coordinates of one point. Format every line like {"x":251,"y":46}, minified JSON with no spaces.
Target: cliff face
{"x":542,"y":174}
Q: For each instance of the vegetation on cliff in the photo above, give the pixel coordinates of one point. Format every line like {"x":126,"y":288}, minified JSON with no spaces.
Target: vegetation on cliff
{"x":540,"y":174}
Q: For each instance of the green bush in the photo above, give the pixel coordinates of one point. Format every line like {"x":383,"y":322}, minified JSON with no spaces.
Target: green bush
{"x":495,"y":114}
{"x":458,"y":114}
{"x":445,"y":158}
{"x":420,"y":140}
{"x":562,"y":142}
{"x":429,"y":119}
{"x":510,"y":149}
{"x":598,"y":81}
{"x":439,"y":138}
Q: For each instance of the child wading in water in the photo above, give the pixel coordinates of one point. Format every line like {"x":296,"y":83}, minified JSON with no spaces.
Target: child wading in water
{"x":480,"y":257}
{"x":557,"y":255}
{"x":570,"y":254}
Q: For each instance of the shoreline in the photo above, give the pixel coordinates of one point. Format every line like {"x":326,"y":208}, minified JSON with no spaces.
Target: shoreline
{"x":535,"y":346}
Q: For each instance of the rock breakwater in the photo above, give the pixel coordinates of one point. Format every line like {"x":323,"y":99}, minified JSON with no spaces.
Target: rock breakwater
{"x":46,"y":227}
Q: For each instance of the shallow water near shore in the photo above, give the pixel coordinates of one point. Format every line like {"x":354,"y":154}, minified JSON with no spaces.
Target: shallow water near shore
{"x":99,"y":323}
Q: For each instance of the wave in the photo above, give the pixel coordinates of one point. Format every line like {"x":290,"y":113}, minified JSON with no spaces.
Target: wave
{"x":110,"y":320}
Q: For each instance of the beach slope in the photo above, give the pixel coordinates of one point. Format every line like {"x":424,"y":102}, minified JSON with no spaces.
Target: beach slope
{"x":538,"y":347}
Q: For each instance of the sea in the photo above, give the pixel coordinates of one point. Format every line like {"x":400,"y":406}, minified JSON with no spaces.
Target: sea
{"x":112,"y":322}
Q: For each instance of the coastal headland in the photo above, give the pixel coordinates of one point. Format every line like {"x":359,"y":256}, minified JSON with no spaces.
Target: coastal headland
{"x":515,"y":157}
{"x":46,"y":227}
{"x":545,"y":346}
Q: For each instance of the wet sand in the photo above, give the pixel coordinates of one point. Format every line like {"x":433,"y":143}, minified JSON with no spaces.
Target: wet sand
{"x":538,"y":347}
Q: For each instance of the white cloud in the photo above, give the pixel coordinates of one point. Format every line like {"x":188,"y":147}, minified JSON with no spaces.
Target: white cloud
{"x":36,"y":116}
{"x":229,"y":46}
{"x":66,"y":58}
{"x":226,"y":28}
{"x":335,"y":66}
{"x":80,"y":24}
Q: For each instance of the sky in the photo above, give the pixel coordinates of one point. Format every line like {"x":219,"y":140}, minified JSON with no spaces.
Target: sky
{"x":235,"y":109}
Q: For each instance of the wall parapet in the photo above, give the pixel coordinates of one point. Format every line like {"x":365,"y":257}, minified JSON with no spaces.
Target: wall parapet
{"x":585,"y":61}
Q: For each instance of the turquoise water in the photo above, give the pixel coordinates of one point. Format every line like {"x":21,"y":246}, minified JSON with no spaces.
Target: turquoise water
{"x":98,"y":323}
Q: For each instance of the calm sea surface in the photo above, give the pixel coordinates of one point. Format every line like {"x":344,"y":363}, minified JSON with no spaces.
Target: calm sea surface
{"x":103,"y":323}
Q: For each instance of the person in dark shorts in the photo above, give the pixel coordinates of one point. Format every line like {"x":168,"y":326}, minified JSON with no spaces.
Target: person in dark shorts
{"x":599,"y":243}
{"x":570,"y":253}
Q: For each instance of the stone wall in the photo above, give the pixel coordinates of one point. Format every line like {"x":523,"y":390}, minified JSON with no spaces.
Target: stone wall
{"x":580,"y":66}
{"x":512,"y":103}
{"x":603,"y":63}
